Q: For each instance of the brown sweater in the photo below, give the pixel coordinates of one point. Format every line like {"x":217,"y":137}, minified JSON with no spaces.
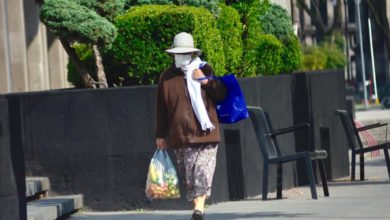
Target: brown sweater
{"x":175,"y":118}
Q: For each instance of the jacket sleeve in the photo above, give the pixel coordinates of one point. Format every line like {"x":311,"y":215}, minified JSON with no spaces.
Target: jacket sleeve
{"x":214,"y":88}
{"x":161,"y":113}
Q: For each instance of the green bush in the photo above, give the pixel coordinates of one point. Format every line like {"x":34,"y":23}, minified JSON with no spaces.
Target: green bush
{"x":276,"y":21}
{"x":335,"y":58}
{"x":268,"y":55}
{"x":291,"y":54}
{"x":230,"y":28}
{"x":211,"y":5}
{"x":252,"y":34}
{"x":145,"y":32}
{"x":313,"y":58}
{"x":77,"y":22}
{"x":325,"y":56}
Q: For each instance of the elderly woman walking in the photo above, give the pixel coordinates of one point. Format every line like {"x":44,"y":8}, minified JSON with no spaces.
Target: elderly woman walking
{"x":186,"y":118}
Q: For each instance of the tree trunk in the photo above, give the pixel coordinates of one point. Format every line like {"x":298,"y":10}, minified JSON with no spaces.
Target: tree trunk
{"x":80,"y":67}
{"x":337,"y":20}
{"x":378,"y":10}
{"x":315,"y":15}
{"x":102,"y":81}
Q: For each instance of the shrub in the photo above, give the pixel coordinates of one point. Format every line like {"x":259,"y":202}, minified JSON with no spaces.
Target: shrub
{"x":268,"y":54}
{"x":291,"y":55}
{"x":335,"y":58}
{"x":276,"y":21}
{"x":230,"y":28}
{"x":77,"y":22}
{"x":313,"y":58}
{"x":211,"y":5}
{"x":325,"y":56}
{"x":252,"y":34}
{"x":145,"y":32}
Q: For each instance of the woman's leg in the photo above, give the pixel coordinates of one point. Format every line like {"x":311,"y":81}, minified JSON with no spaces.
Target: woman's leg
{"x":199,"y":166}
{"x":199,"y":202}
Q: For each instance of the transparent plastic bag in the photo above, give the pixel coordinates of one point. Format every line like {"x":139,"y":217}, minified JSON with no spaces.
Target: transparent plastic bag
{"x":162,"y":181}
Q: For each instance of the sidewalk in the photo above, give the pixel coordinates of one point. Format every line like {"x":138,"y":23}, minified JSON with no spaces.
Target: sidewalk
{"x":348,"y":200}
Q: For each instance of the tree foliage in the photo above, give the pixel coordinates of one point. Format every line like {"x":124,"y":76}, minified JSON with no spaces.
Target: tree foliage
{"x":72,"y":21}
{"x":211,"y":5}
{"x":84,"y":21}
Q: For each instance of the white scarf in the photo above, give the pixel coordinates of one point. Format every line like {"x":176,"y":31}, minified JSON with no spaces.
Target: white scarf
{"x":194,"y":90}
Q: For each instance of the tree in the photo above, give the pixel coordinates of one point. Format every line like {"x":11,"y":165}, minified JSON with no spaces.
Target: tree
{"x":83,"y":21}
{"x":313,"y":10}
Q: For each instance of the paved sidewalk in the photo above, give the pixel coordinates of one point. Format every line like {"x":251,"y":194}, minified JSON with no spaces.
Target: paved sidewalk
{"x":373,"y":115}
{"x":348,"y":200}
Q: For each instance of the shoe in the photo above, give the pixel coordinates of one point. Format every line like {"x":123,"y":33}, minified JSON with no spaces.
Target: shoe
{"x":197,"y":215}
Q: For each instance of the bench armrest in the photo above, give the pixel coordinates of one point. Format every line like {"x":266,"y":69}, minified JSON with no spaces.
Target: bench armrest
{"x":367,"y":127}
{"x":290,"y":129}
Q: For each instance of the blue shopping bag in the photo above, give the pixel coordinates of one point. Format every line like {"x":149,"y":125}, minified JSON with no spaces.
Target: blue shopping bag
{"x":233,"y":108}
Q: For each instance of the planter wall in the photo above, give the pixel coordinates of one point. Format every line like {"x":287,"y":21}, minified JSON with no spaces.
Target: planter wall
{"x":12,"y":188}
{"x":99,"y":142}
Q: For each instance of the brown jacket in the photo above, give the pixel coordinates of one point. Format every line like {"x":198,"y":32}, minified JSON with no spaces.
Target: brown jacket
{"x":175,"y":119}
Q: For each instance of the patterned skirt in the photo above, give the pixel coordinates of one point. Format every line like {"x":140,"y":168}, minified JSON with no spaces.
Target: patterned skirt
{"x":196,"y":164}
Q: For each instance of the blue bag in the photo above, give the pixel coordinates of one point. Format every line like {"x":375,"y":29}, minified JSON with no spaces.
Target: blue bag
{"x":233,"y":108}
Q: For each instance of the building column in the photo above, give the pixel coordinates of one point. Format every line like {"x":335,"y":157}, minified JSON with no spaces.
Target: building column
{"x":57,"y":62}
{"x":36,"y":48}
{"x":5,"y":68}
{"x":17,"y":45}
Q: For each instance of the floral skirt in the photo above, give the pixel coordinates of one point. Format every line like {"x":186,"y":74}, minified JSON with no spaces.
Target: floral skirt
{"x":196,"y":164}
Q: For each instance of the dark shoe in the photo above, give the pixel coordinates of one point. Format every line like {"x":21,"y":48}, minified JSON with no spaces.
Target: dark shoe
{"x":197,"y":215}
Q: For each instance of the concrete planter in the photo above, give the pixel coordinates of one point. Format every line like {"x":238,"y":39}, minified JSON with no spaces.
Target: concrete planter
{"x":99,"y":142}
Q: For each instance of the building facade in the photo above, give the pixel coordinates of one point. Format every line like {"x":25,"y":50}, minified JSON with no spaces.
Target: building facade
{"x":31,"y":59}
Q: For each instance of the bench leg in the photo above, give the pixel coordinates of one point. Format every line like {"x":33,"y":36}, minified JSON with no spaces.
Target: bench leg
{"x":323,"y":177}
{"x":265,"y":181}
{"x":386,"y":151}
{"x":310,"y":175}
{"x":279,"y":181}
{"x":353,"y":164}
{"x":361,"y":167}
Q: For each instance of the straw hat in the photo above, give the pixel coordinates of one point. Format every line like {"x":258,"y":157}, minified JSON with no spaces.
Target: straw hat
{"x":183,"y":43}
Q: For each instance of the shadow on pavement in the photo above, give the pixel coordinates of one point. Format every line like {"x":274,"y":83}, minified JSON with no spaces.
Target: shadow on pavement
{"x":213,"y":216}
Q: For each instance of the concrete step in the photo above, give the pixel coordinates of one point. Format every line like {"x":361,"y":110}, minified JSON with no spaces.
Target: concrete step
{"x":36,"y":185}
{"x":53,"y":207}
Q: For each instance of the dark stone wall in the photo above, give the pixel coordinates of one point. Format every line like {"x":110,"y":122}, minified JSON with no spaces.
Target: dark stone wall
{"x":99,"y":142}
{"x":12,"y":193}
{"x":317,"y":95}
{"x":327,"y":94}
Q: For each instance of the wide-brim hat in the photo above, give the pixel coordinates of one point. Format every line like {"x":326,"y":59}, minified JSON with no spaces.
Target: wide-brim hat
{"x":183,"y":43}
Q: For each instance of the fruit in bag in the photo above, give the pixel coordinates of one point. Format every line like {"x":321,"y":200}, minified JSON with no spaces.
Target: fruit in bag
{"x":162,"y":181}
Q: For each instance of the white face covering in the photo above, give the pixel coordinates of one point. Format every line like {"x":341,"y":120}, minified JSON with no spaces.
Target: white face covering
{"x":182,"y":60}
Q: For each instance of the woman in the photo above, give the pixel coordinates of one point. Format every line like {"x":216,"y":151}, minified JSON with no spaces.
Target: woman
{"x":186,"y":119}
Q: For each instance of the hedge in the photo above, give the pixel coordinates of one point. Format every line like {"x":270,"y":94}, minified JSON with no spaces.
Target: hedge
{"x":211,"y":5}
{"x":291,"y":55}
{"x":230,"y":28}
{"x":145,"y":32}
{"x":268,"y":55}
{"x":252,"y":34}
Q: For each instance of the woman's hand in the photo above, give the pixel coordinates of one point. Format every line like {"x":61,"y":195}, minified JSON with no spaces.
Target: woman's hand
{"x":198,"y":74}
{"x":161,"y":144}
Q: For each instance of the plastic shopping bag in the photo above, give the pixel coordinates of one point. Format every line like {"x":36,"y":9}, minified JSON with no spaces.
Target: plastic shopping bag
{"x":162,"y":181}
